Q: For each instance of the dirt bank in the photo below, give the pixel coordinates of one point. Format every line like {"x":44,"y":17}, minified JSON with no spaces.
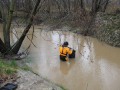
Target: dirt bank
{"x":31,"y":81}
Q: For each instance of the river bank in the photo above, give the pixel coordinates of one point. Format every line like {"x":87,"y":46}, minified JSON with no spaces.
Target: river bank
{"x":8,"y":70}
{"x":105,"y":27}
{"x":31,"y":81}
{"x":24,"y":78}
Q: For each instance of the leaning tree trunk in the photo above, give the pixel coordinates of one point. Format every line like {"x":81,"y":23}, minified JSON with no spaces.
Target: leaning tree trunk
{"x":18,"y":44}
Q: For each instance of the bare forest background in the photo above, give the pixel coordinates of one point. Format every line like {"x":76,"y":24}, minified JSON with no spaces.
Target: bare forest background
{"x":87,"y":15}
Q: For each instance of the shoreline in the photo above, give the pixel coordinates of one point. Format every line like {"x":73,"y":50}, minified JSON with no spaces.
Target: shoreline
{"x":31,"y":81}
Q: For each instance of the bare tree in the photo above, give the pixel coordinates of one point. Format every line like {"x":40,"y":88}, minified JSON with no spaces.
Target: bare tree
{"x":8,"y":49}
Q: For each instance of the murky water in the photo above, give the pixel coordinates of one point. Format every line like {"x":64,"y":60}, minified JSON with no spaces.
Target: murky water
{"x":96,"y":66}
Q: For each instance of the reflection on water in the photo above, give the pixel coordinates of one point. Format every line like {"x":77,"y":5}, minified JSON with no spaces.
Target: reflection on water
{"x":96,"y":66}
{"x":66,"y":66}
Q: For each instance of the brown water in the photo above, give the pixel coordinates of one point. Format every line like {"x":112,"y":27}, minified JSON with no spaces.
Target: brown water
{"x":96,"y":66}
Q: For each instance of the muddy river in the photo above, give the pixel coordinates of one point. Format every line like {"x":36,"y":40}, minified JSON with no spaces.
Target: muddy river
{"x":96,"y":66}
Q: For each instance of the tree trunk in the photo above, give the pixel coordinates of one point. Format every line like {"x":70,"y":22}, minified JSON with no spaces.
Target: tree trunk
{"x":0,"y":14}
{"x":18,"y":44}
{"x":82,"y":4}
{"x":2,"y":47}
{"x":6,"y":29}
{"x":69,"y":8}
{"x":65,"y":6}
{"x":105,"y":6}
